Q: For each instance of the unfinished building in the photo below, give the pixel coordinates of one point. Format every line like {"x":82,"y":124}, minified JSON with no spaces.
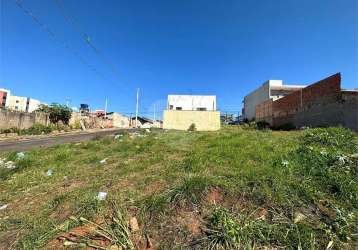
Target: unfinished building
{"x":321,"y":104}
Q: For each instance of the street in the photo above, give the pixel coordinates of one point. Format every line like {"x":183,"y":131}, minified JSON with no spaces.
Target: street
{"x":29,"y":144}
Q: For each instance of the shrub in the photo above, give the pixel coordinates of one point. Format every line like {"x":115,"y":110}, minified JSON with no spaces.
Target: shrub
{"x":37,"y":129}
{"x":285,"y":126}
{"x":192,"y":127}
{"x":262,"y":125}
{"x":58,"y":112}
{"x":9,"y":131}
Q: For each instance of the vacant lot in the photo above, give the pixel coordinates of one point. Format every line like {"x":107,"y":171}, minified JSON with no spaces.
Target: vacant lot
{"x":237,"y":188}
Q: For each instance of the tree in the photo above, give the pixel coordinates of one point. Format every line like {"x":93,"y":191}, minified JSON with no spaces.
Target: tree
{"x":57,"y":112}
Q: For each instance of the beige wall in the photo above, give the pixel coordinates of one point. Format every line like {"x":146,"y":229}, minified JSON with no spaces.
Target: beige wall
{"x":181,"y":120}
{"x":21,"y":120}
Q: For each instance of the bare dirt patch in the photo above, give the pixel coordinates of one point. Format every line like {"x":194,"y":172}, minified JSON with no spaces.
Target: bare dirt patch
{"x":190,"y":220}
{"x":215,"y":196}
{"x":76,"y":236}
{"x":154,"y":187}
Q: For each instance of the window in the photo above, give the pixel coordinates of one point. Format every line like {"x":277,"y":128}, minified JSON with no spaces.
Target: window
{"x":170,"y":107}
{"x":17,"y":101}
{"x":201,"y":109}
{"x":179,"y":108}
{"x":16,"y":107}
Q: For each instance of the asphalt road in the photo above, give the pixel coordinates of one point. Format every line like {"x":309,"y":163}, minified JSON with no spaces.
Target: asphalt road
{"x":28,"y":144}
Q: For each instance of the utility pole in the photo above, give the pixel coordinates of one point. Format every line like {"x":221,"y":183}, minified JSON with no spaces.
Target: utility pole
{"x":68,"y":100}
{"x":105,"y":110}
{"x":154,"y":113}
{"x":136,"y":109}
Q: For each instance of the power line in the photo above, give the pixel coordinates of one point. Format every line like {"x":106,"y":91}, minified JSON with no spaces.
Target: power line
{"x":54,"y":37}
{"x":71,"y":21}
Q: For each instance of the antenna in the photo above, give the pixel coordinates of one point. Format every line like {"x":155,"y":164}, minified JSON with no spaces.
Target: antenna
{"x":136,"y":110}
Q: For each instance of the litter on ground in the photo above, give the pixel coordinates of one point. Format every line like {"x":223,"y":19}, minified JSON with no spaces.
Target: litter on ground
{"x":7,"y":164}
{"x":118,"y":136}
{"x":104,"y":161}
{"x":101,"y":196}
{"x":4,"y":206}
{"x":49,"y":172}
{"x":20,"y":155}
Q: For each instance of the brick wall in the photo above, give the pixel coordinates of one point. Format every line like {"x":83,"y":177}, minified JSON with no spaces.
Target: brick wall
{"x":285,"y":108}
{"x":264,"y":111}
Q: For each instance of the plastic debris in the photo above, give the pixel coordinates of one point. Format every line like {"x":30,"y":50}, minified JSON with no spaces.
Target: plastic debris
{"x":4,"y":206}
{"x":49,"y":172}
{"x":104,"y":161}
{"x":10,"y":165}
{"x":7,"y":164}
{"x":147,"y":130}
{"x":101,"y":196}
{"x":285,"y":163}
{"x":299,"y":217}
{"x":20,"y":155}
{"x":118,"y":136}
{"x":330,"y":244}
{"x":133,"y":224}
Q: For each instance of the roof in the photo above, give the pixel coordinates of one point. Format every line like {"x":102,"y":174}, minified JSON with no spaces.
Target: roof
{"x":143,"y":119}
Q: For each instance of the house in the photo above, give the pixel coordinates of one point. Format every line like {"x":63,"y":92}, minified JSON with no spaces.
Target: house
{"x":141,"y":122}
{"x":323,"y":103}
{"x":269,"y":90}
{"x":191,"y":102}
{"x":23,"y":104}
{"x":184,"y":110}
{"x":4,"y":95}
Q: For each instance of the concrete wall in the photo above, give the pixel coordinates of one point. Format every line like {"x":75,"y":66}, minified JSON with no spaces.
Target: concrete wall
{"x":21,"y":120}
{"x":336,"y":110}
{"x":192,"y":102}
{"x":181,"y":120}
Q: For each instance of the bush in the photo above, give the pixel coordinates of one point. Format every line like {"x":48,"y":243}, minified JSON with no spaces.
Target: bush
{"x":9,"y":131}
{"x":262,"y":125}
{"x":192,"y":127}
{"x":58,"y":112}
{"x":285,"y":127}
{"x":37,"y":129}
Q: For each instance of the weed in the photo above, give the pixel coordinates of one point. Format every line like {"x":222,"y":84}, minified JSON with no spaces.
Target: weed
{"x":191,"y":191}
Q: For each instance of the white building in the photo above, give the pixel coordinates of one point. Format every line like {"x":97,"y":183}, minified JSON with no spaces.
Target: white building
{"x":192,"y":102}
{"x":271,"y":89}
{"x":23,"y":104}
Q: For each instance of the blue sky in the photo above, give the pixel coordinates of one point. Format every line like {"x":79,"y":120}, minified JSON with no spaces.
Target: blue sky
{"x":226,"y":48}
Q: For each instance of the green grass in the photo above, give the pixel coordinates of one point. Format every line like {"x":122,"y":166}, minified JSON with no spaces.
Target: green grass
{"x":275,"y":189}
